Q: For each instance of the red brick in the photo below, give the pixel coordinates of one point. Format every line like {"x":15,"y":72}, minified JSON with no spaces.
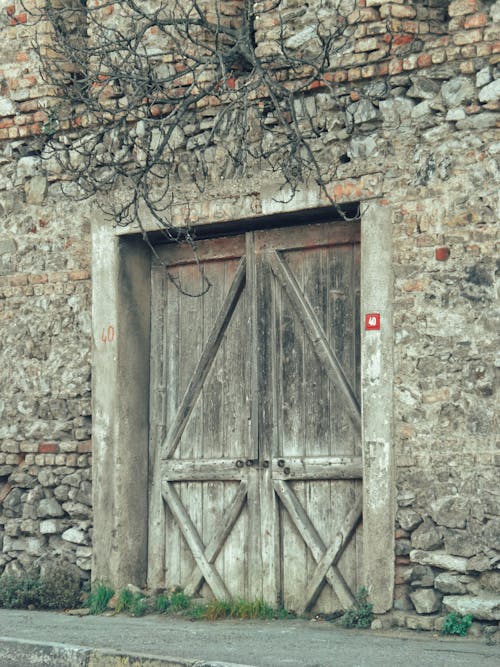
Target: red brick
{"x":395,"y":66}
{"x":48,"y":448}
{"x":19,"y":280}
{"x":475,"y":21}
{"x":403,"y":560}
{"x":84,"y":447}
{"x":401,"y":40}
{"x":336,"y":77}
{"x":79,"y":275}
{"x":38,"y":279}
{"x":424,"y":60}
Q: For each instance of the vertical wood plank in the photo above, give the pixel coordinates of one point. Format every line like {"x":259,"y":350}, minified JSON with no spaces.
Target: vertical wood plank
{"x":156,"y":527}
{"x":254,"y":551}
{"x":234,"y":438}
{"x":268,"y":445}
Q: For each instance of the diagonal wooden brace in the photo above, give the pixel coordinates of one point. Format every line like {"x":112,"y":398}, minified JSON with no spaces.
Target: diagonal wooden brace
{"x":217,"y":542}
{"x":192,"y":537}
{"x":316,"y":545}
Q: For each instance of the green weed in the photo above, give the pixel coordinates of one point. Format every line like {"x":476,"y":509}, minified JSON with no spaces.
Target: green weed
{"x":19,"y":592}
{"x":360,"y":615}
{"x":240,"y":608}
{"x":179,"y":601}
{"x":98,"y":599}
{"x":455,"y":624}
{"x":136,"y":604}
{"x":58,"y":587}
{"x":161,"y":603}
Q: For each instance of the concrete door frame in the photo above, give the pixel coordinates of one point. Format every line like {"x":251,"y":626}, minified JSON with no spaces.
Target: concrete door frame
{"x":121,"y":326}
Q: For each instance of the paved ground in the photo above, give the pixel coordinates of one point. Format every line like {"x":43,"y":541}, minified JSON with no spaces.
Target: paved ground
{"x":56,"y":639}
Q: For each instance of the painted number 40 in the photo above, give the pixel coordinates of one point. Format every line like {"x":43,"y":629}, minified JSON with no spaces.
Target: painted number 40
{"x":372,"y":321}
{"x":108,"y":334}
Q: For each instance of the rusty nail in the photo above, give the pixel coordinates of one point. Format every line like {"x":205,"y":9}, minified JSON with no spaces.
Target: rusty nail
{"x":281,"y":463}
{"x":286,"y":470}
{"x":239,"y":464}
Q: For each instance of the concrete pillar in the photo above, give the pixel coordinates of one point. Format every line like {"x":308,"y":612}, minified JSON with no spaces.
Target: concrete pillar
{"x":120,"y":326}
{"x":377,"y":405}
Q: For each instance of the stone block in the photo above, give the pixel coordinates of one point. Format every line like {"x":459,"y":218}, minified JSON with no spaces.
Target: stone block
{"x":426,"y":600}
{"x":450,"y":511}
{"x":426,"y":623}
{"x":427,"y":536}
{"x":408,"y":519}
{"x":485,"y":607}
{"x":50,"y":527}
{"x":479,"y":563}
{"x":460,"y":543}
{"x":451,"y":583}
{"x":75,"y":535}
{"x":7,"y":107}
{"x":490,"y":581}
{"x":36,"y":189}
{"x":49,"y":507}
{"x":439,"y":559}
{"x":458,"y":91}
{"x":491,"y":534}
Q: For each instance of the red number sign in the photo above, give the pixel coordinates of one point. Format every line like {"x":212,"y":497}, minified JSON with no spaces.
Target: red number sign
{"x":372,"y":321}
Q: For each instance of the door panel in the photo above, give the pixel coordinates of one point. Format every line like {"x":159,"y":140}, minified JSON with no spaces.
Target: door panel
{"x":314,"y":282}
{"x":200,"y":525}
{"x":254,"y":459}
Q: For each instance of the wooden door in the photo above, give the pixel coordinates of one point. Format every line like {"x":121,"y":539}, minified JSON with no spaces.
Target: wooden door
{"x":255,"y":458}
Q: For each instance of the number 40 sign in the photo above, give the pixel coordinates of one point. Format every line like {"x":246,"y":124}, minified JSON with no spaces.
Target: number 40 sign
{"x":372,"y":322}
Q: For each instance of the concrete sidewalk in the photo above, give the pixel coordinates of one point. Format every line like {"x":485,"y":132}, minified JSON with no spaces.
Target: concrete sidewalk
{"x":58,"y":640}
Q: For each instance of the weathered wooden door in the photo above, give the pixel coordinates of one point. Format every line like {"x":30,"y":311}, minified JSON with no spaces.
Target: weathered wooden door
{"x":255,"y":461}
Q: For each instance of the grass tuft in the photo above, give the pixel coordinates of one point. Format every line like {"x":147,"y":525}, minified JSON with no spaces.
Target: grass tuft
{"x":98,"y":599}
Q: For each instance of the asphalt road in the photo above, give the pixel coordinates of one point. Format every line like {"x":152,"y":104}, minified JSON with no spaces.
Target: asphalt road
{"x":291,"y":643}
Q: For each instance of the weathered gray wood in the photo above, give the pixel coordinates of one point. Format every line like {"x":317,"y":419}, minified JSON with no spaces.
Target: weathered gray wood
{"x":208,"y":250}
{"x":194,"y":542}
{"x":317,"y":468}
{"x":312,"y":539}
{"x":316,"y":336}
{"x":253,"y":361}
{"x":158,"y":407}
{"x":215,"y":545}
{"x":254,"y":556}
{"x":308,"y":236}
{"x":333,"y":553}
{"x":203,"y":470}
{"x":196,"y":384}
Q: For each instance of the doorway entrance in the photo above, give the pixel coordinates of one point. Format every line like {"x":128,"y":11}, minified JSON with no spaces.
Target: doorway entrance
{"x":255,"y":470}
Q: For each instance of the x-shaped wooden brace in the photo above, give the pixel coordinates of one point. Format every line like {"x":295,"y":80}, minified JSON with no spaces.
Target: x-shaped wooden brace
{"x":326,"y":558}
{"x":204,"y":556}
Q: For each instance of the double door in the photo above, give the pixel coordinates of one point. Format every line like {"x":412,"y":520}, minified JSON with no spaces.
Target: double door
{"x":255,"y":463}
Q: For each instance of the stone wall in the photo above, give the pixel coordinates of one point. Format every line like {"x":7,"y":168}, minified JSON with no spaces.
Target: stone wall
{"x":414,"y":126}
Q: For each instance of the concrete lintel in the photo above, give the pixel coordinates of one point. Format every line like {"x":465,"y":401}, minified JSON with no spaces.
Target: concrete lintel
{"x":120,"y":331}
{"x":377,"y":405}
